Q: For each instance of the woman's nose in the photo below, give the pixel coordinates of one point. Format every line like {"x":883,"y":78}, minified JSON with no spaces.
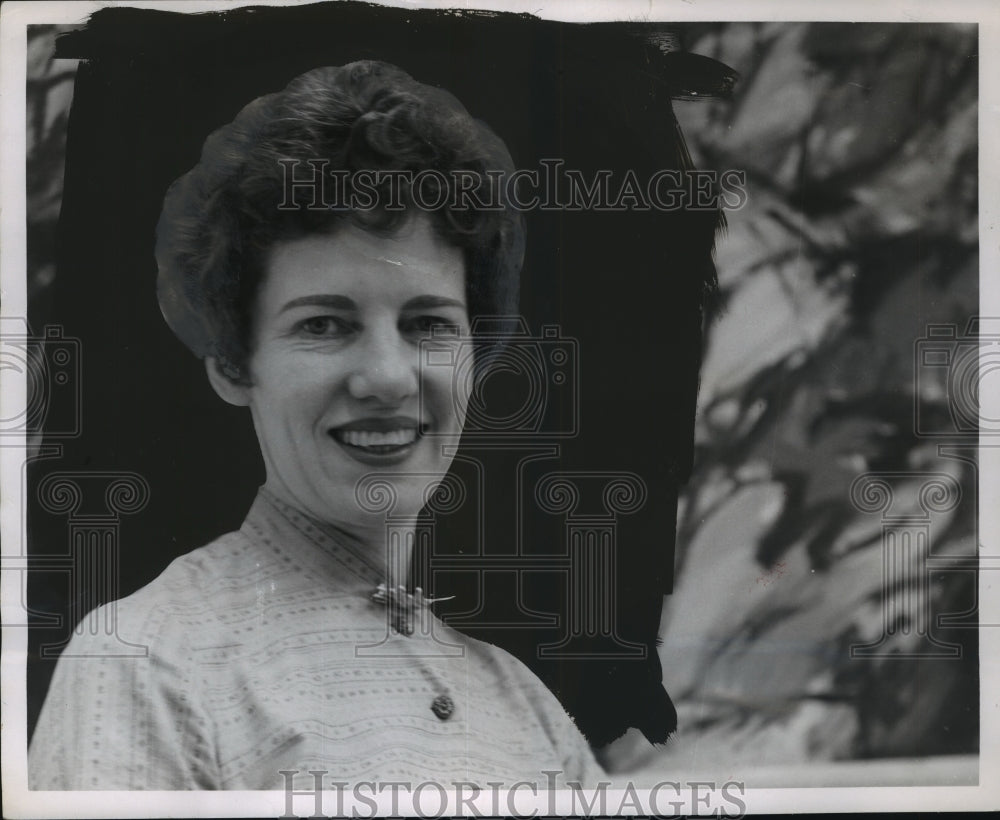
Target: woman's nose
{"x":385,"y":370}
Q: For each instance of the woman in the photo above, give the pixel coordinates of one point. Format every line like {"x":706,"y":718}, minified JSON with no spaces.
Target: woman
{"x":268,"y":649}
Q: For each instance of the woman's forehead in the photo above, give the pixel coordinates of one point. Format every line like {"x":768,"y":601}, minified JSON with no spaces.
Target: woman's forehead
{"x":411,"y":259}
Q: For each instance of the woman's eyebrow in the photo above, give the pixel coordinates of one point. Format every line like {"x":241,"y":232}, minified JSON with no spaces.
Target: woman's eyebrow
{"x":425,"y":302}
{"x":320,"y":300}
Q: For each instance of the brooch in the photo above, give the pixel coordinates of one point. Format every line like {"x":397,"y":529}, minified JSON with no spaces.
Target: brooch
{"x":402,"y":605}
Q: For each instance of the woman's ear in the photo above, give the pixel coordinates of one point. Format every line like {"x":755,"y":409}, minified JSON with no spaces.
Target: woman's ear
{"x":228,"y":389}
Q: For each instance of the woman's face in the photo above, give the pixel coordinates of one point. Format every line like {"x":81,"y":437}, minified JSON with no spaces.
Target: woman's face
{"x":337,"y":389}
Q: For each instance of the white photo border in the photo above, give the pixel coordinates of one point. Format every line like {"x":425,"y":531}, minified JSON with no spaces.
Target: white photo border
{"x":20,"y":802}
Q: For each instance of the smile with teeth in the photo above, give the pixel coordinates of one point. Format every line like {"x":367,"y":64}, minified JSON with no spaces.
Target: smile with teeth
{"x":378,"y":442}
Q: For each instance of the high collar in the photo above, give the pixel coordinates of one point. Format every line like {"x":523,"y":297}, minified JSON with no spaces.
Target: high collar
{"x":340,"y":564}
{"x":312,"y":545}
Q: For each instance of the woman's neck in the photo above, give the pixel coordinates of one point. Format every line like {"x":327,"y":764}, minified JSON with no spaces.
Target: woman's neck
{"x":386,"y":549}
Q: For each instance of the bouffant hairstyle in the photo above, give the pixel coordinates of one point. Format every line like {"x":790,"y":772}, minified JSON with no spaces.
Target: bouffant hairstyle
{"x":246,"y":193}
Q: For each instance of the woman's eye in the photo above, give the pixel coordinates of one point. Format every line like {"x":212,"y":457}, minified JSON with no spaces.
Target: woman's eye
{"x":322,"y":326}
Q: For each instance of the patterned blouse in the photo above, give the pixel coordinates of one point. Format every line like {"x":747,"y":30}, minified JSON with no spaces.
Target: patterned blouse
{"x":266,"y":654}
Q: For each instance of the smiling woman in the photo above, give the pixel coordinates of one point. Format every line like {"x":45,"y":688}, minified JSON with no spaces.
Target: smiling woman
{"x":335,"y":373}
{"x":270,"y":653}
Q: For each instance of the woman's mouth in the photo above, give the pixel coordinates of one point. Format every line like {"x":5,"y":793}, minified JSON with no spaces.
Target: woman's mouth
{"x":376,"y":442}
{"x":378,"y":438}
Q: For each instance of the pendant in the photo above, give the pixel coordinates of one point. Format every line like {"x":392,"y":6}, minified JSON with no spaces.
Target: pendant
{"x":443,"y":706}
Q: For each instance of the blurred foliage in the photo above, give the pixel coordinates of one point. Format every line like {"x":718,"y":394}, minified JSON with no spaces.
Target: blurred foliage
{"x":859,"y":142}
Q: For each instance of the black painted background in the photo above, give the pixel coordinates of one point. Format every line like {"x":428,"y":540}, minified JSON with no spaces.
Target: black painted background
{"x":626,"y":286}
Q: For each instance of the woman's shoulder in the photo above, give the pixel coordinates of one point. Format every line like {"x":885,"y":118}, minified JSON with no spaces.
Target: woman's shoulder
{"x":191,"y":592}
{"x":229,"y":562}
{"x":508,"y":670}
{"x":194,"y":573}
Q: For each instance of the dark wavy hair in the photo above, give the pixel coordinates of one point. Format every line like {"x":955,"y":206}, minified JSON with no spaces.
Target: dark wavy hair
{"x":220,"y":219}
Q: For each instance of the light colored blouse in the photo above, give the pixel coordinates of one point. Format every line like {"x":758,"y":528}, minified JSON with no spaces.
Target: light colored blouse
{"x":266,"y":654}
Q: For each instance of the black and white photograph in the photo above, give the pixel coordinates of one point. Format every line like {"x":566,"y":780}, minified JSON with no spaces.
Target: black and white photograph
{"x":487,"y":409}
